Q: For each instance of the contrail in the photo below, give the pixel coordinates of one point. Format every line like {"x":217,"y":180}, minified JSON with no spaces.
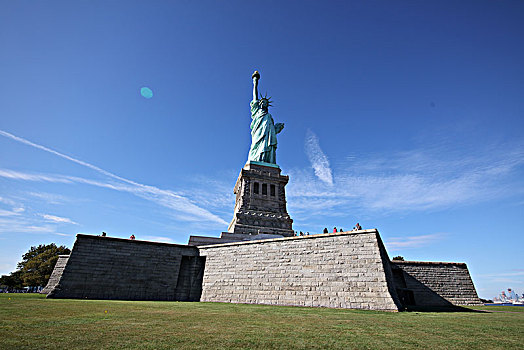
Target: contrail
{"x":65,"y":156}
{"x":319,"y":161}
{"x":157,"y":195}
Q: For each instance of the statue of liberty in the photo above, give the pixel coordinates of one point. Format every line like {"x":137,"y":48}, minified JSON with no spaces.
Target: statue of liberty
{"x":263,"y":129}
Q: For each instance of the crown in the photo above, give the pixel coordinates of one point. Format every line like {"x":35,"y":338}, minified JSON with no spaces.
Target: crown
{"x":268,"y":99}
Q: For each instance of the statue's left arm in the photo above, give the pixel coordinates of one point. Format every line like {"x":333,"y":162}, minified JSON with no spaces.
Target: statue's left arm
{"x":279,"y":127}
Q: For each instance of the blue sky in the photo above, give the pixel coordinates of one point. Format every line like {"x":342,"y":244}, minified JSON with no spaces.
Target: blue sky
{"x":406,"y":116}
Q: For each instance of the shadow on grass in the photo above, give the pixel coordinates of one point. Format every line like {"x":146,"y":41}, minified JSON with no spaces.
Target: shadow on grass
{"x":453,"y":308}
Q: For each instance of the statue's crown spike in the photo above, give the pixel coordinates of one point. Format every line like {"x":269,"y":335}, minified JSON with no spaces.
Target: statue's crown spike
{"x":268,"y":99}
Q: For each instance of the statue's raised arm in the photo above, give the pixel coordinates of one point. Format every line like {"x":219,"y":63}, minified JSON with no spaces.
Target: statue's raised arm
{"x":255,"y":77}
{"x":263,"y":129}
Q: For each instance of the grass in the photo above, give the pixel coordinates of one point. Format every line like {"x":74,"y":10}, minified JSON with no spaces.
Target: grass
{"x":29,"y":321}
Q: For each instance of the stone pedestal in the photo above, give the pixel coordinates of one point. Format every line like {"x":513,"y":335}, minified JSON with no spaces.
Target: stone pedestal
{"x":260,"y":206}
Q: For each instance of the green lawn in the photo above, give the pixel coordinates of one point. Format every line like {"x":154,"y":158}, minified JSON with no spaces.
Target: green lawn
{"x":33,"y":322}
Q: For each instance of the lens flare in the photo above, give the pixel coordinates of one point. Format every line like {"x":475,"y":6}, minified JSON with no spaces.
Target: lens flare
{"x":146,"y":92}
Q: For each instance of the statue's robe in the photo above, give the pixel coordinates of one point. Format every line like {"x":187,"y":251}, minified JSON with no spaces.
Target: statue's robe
{"x":263,"y":135}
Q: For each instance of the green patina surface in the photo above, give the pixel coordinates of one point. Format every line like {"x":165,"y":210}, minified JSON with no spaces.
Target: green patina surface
{"x":263,"y":129}
{"x":263,"y":163}
{"x":33,"y":322}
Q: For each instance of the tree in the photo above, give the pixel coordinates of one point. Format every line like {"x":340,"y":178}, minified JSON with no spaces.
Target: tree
{"x":12,"y":281}
{"x":399,"y":258}
{"x":38,"y":264}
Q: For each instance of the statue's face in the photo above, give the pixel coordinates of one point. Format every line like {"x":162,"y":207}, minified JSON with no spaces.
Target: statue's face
{"x":264,"y":103}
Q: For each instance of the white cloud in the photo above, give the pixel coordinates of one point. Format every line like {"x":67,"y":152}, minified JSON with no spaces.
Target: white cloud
{"x":74,"y":160}
{"x":510,"y":273}
{"x":157,"y":239}
{"x":63,"y":234}
{"x":7,"y":201}
{"x":409,"y":181}
{"x":51,"y":198}
{"x":23,"y":225}
{"x":17,"y":220}
{"x":219,"y":197}
{"x":58,"y":219}
{"x":32,"y":224}
{"x":8,"y":212}
{"x":394,"y":243}
{"x":166,"y":198}
{"x":16,"y":208}
{"x":16,"y":175}
{"x":317,"y":158}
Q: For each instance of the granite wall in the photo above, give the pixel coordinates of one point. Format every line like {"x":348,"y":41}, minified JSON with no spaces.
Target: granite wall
{"x":434,"y":284}
{"x":341,"y":270}
{"x":56,"y":274}
{"x":115,"y":268}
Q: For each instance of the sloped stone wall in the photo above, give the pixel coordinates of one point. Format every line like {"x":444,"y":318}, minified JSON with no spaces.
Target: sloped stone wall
{"x":341,"y":270}
{"x":435,"y":283}
{"x":114,"y":268}
{"x":56,"y":274}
